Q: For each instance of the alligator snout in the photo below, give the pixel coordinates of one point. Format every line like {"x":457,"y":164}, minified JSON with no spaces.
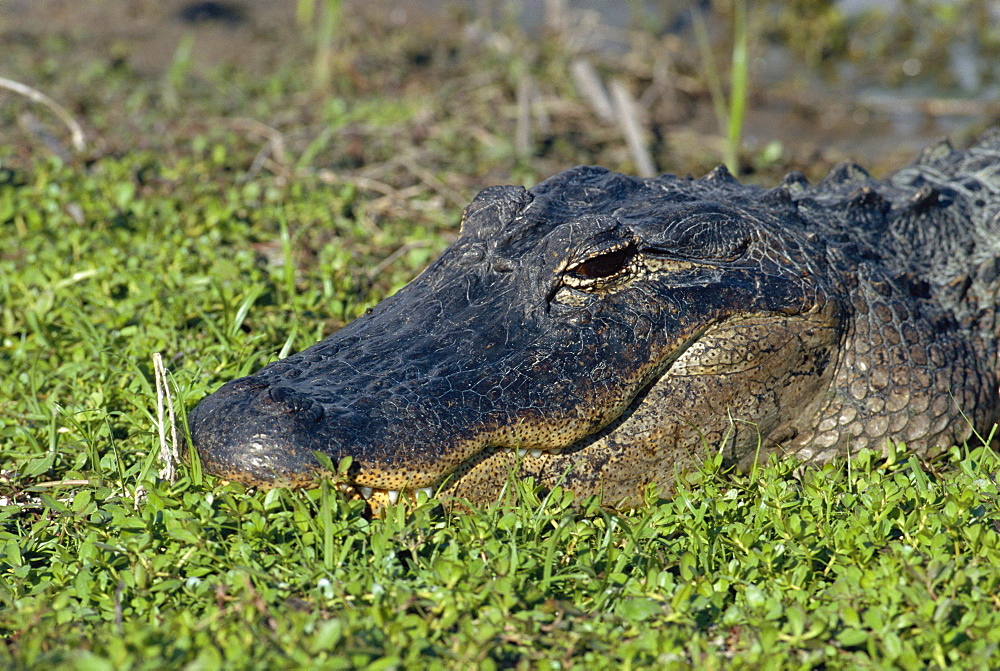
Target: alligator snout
{"x":258,"y":434}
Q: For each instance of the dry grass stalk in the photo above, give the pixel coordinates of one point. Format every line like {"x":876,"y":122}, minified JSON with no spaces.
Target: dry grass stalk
{"x":169,"y":452}
{"x":523,"y":137}
{"x":76,"y":132}
{"x":589,"y":85}
{"x":628,"y":114}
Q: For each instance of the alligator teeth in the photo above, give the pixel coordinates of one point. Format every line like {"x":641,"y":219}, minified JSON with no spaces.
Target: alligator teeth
{"x":524,"y":453}
{"x":391,"y":494}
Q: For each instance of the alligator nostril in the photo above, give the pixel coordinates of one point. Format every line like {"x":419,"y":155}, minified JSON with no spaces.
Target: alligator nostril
{"x":297,"y":403}
{"x":283,"y":395}
{"x":243,"y":384}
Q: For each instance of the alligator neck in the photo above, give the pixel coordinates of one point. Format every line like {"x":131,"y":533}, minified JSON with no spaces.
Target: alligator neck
{"x":944,"y":229}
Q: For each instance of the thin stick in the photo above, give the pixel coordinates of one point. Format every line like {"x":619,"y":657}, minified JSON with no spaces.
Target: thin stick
{"x":589,"y":85}
{"x":628,"y":119}
{"x":59,"y":483}
{"x":523,"y":141}
{"x":76,"y":132}
{"x":389,"y":260}
{"x":275,"y":146}
{"x":425,"y":176}
{"x":331,"y":177}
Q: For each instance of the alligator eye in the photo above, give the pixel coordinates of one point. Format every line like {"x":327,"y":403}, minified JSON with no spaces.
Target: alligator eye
{"x":603,"y":265}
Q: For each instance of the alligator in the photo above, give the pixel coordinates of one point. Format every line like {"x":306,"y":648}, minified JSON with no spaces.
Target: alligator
{"x":605,"y":333}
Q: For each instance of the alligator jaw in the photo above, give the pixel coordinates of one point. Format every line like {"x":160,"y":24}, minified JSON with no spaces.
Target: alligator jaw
{"x":278,"y":430}
{"x":605,"y":454}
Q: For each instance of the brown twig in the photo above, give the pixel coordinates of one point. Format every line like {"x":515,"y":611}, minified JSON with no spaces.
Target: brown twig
{"x":425,"y":176}
{"x":274,"y":148}
{"x":401,"y":195}
{"x":58,"y":483}
{"x":330,"y":177}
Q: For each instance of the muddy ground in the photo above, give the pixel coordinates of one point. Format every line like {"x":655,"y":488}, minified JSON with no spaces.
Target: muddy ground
{"x":481,"y":92}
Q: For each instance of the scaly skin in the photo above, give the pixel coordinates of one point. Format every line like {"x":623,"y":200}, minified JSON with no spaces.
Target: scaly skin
{"x":602,"y":332}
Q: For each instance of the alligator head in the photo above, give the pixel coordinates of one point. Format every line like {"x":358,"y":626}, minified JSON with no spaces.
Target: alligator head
{"x":604,"y":332}
{"x":596,"y":331}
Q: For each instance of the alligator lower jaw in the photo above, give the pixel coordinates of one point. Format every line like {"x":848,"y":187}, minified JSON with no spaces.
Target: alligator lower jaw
{"x":378,"y":499}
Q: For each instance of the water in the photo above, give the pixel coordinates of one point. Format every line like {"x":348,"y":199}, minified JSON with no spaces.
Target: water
{"x":873,"y":111}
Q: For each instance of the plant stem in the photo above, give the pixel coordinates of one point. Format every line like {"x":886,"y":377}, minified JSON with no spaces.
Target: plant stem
{"x":738,"y":87}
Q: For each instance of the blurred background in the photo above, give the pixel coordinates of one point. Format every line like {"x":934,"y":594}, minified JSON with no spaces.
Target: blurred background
{"x":454,"y":95}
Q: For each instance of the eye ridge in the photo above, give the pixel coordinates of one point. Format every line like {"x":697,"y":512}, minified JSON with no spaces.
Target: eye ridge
{"x":711,"y":235}
{"x":603,"y":265}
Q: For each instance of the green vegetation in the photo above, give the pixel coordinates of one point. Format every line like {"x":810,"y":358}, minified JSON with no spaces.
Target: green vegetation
{"x":729,"y":110}
{"x":871,"y":564}
{"x":226,"y":217}
{"x":323,"y":28}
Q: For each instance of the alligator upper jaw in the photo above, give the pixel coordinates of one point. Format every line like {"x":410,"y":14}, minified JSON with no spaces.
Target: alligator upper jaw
{"x":244,"y":435}
{"x":266,"y":436}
